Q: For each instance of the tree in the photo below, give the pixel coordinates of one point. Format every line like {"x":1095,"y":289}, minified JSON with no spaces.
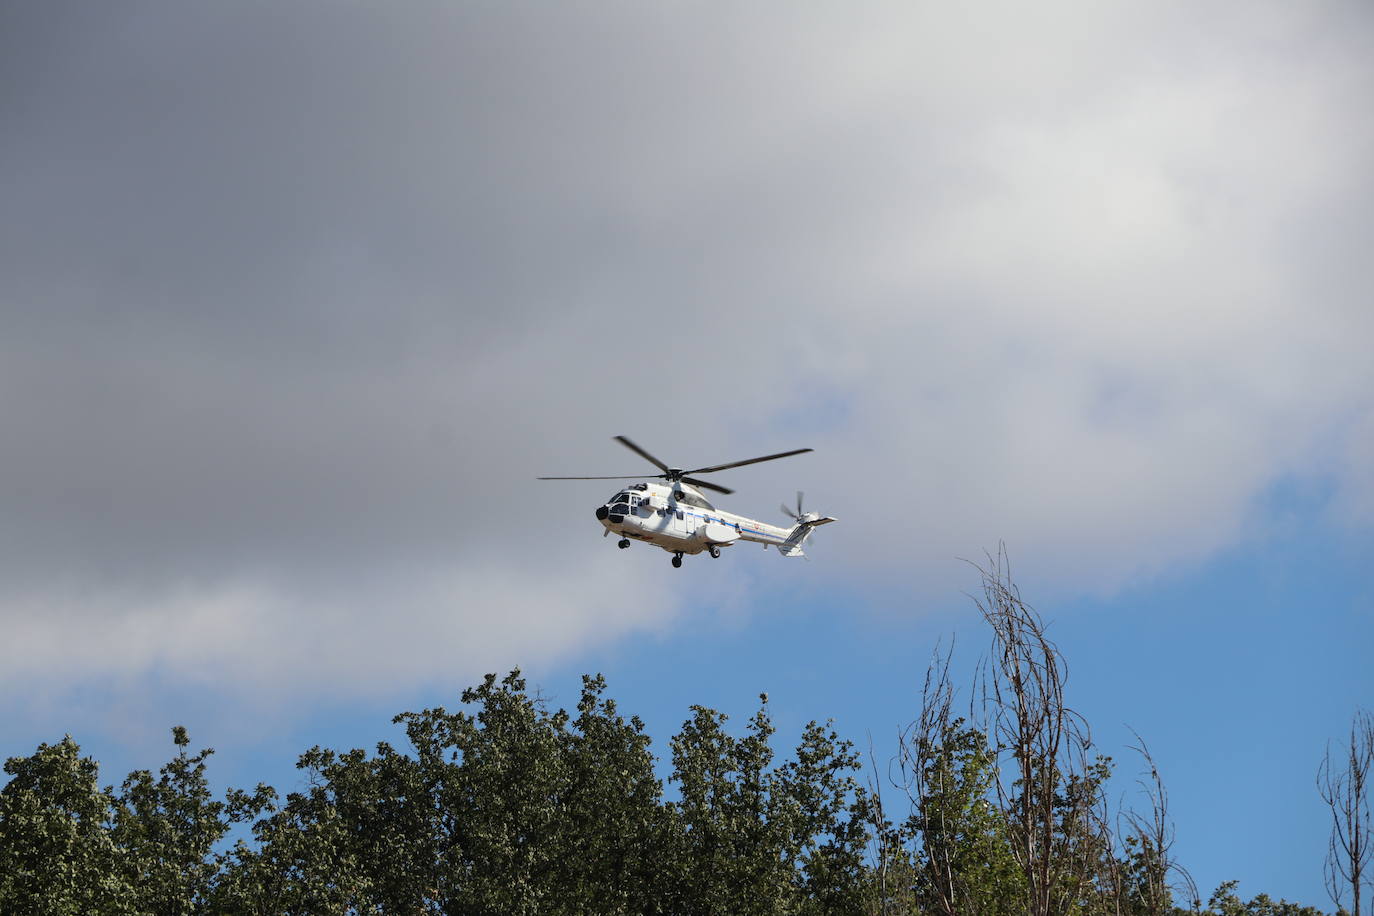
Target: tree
{"x":826,"y":813}
{"x":354,"y":841}
{"x":1049,"y":792}
{"x":947,"y":770}
{"x":166,"y":831}
{"x":1225,"y":902}
{"x":57,"y":855}
{"x":538,"y":812}
{"x":615,"y":823}
{"x":1142,"y":881}
{"x":496,"y":785}
{"x":1344,"y":786}
{"x":754,"y":838}
{"x":506,"y":807}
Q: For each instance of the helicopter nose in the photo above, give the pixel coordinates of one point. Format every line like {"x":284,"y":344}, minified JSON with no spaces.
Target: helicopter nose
{"x":601,"y":513}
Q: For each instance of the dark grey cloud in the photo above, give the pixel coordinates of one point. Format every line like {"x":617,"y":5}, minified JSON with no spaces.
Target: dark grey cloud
{"x":299,"y":297}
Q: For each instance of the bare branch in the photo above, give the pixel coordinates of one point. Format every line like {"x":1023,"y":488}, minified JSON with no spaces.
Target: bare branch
{"x":1154,"y":832}
{"x":1047,"y":790}
{"x":1343,"y":784}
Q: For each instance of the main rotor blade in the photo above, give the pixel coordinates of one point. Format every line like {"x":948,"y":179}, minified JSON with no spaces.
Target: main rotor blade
{"x":618,"y":477}
{"x":739,"y":464}
{"x":707,"y":485}
{"x":641,"y":453}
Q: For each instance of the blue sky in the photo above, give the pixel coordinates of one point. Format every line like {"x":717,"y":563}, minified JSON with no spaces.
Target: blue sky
{"x":299,"y":302}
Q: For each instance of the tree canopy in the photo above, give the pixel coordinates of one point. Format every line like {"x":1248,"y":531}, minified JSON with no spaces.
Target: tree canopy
{"x":508,"y":806}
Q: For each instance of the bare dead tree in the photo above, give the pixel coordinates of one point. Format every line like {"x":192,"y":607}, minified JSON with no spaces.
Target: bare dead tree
{"x":884,"y":839}
{"x":923,"y":783}
{"x":1159,"y":874}
{"x":1009,"y":812}
{"x":1344,"y":786}
{"x":1049,"y":792}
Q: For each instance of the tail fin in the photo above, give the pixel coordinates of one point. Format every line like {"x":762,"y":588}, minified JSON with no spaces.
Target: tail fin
{"x":792,"y":547}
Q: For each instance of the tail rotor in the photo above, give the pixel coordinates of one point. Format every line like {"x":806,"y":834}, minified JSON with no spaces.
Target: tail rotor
{"x":806,"y":523}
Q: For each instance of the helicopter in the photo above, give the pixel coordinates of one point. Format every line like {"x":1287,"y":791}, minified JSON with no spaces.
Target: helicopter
{"x":678,"y":518}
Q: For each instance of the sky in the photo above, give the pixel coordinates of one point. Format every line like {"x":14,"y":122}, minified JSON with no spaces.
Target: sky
{"x":299,"y":298}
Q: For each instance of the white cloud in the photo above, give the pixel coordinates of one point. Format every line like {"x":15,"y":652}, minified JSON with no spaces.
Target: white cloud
{"x":367,"y":633}
{"x":1087,"y":281}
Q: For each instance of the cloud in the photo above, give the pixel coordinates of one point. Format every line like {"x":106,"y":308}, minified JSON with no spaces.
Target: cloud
{"x":375,"y":631}
{"x":299,"y":301}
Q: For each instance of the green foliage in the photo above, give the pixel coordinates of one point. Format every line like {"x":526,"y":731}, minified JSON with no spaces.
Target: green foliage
{"x":964,"y":860}
{"x":753,"y":838}
{"x":57,"y":854}
{"x":1141,"y":875}
{"x":508,"y":807}
{"x":1225,"y":902}
{"x":67,"y":846}
{"x":166,"y":831}
{"x":310,"y":852}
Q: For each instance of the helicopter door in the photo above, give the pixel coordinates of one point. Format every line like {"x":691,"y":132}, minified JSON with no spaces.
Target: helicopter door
{"x":680,"y":524}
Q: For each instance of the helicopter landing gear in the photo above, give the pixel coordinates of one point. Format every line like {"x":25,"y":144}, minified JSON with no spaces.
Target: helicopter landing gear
{"x":623,"y":543}
{"x":714,"y":551}
{"x":677,"y":560}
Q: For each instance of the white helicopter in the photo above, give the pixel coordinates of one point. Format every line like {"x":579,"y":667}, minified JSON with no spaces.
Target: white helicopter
{"x":677,"y":517}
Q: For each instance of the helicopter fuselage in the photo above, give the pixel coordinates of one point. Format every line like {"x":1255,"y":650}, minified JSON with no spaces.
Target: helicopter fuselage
{"x":680,"y":520}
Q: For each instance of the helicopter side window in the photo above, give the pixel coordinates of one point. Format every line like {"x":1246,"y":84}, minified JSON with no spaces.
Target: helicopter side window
{"x":692,"y":499}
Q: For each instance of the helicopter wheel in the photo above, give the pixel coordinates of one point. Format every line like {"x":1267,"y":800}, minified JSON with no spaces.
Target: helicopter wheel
{"x":714,"y":552}
{"x":624,"y":542}
{"x":677,"y":560}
